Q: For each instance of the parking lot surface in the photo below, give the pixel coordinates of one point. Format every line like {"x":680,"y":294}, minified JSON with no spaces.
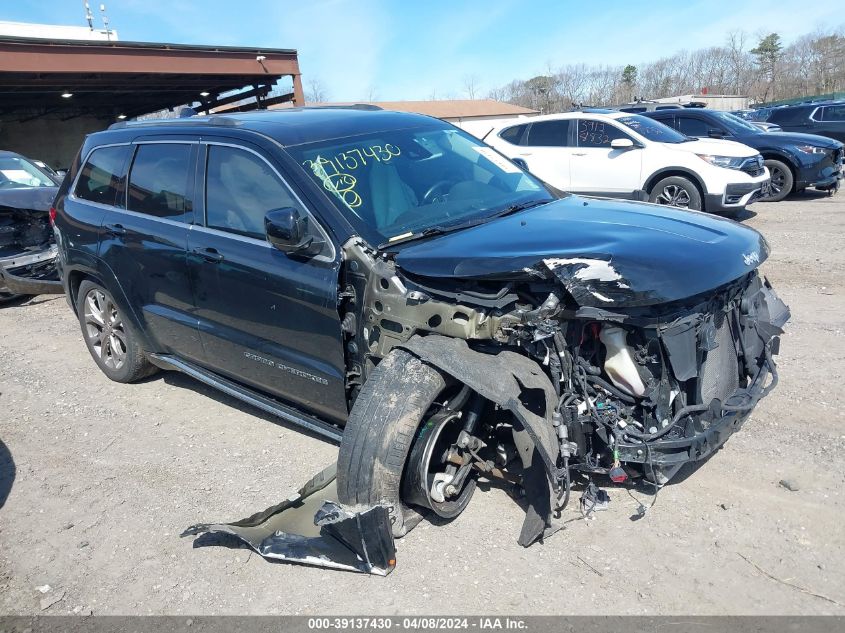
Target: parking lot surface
{"x":100,"y":478}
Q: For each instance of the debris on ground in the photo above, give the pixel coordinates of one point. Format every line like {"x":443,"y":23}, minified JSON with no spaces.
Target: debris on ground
{"x":312,"y":528}
{"x":49,"y":601}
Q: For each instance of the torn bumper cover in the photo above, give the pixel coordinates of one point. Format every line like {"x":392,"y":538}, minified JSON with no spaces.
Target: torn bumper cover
{"x":312,"y":528}
{"x":30,"y":273}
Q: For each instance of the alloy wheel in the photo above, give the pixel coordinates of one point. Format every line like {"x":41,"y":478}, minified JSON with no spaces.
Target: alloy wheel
{"x":778,"y":180}
{"x":674,"y":196}
{"x":104,"y":329}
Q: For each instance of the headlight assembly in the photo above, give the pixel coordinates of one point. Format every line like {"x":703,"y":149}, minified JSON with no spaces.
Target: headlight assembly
{"x":810,"y":149}
{"x":728,"y":162}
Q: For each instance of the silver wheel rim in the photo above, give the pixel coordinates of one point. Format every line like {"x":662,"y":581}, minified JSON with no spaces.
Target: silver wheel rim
{"x":104,"y":329}
{"x":674,"y":196}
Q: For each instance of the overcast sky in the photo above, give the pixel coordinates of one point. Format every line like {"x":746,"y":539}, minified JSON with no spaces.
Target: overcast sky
{"x":392,"y":50}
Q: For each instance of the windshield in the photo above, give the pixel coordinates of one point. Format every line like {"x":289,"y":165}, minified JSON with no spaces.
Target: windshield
{"x":734,"y":124}
{"x":399,"y":183}
{"x":652,"y":130}
{"x":18,"y":173}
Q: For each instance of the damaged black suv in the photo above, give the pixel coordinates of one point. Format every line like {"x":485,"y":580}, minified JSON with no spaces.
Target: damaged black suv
{"x":388,"y":281}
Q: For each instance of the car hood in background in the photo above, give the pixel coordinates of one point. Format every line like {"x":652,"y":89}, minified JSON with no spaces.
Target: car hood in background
{"x":28,"y":198}
{"x":606,"y":253}
{"x":797,"y":138}
{"x":715,"y":146}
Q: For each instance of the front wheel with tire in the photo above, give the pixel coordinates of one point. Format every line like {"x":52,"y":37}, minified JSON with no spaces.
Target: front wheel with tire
{"x":402,"y":420}
{"x":110,"y":338}
{"x":781,"y":182}
{"x":676,"y":191}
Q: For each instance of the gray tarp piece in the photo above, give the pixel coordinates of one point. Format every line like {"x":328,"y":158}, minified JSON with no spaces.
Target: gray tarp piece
{"x":312,"y":528}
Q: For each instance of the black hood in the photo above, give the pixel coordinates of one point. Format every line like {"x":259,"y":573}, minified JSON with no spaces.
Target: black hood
{"x":606,"y":253}
{"x":779,"y":139}
{"x":28,"y":198}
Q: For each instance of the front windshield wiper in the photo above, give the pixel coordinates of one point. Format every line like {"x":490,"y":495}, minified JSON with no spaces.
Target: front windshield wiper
{"x":440,"y":230}
{"x":514,"y":208}
{"x":415,"y":235}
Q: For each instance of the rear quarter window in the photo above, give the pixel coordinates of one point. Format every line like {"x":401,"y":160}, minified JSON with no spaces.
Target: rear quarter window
{"x":101,"y":176}
{"x":513,"y":135}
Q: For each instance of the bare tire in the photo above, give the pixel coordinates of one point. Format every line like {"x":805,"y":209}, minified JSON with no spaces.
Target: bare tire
{"x":676,"y":191}
{"x":782,"y":180}
{"x":110,"y":338}
{"x":379,"y":432}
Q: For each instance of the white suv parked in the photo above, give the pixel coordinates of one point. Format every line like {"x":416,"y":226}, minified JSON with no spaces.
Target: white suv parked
{"x":622,"y":155}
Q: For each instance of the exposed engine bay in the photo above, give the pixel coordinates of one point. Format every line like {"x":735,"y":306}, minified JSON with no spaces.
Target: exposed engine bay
{"x":27,"y":252}
{"x":20,"y":228}
{"x":561,"y":374}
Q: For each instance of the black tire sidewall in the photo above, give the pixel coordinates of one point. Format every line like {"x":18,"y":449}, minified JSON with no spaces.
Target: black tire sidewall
{"x":694,"y":194}
{"x":135,"y":365}
{"x":378,"y":435}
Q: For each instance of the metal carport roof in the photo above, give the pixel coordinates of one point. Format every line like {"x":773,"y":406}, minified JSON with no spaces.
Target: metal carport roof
{"x":107,"y":79}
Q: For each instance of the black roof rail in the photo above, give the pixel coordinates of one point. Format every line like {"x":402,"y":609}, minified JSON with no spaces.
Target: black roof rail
{"x":350,"y":106}
{"x":222,"y":121}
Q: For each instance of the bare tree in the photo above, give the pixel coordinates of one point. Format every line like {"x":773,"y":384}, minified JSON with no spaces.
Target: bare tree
{"x":372,"y":94}
{"x":471,"y":85}
{"x":811,"y":65}
{"x":315,"y":92}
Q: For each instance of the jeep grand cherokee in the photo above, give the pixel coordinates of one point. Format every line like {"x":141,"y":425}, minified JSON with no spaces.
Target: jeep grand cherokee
{"x":388,"y":281}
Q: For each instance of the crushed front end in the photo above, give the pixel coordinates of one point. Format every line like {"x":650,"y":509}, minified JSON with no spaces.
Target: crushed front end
{"x":578,"y":358}
{"x":639,"y":390}
{"x":644,"y":391}
{"x":27,"y":249}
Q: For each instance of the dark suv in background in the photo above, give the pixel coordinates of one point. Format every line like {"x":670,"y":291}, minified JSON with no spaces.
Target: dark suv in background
{"x":795,"y":161}
{"x":388,"y":278}
{"x":827,"y":119}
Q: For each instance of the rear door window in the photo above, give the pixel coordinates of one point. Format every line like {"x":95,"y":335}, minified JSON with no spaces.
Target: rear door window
{"x":241,"y":188}
{"x":789,"y":116}
{"x":160,"y":181}
{"x":693,"y":126}
{"x":595,"y":133}
{"x":101,"y":177}
{"x":548,"y":134}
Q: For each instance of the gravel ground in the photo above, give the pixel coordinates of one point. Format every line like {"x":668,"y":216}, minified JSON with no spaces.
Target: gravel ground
{"x":102,"y":477}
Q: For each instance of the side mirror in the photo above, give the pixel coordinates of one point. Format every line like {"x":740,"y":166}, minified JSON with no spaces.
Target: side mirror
{"x":621,"y":143}
{"x":713,"y":133}
{"x":61,"y":173}
{"x":287,"y":230}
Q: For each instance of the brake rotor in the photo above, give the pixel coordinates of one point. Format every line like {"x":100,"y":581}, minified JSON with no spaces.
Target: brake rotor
{"x":429,"y":472}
